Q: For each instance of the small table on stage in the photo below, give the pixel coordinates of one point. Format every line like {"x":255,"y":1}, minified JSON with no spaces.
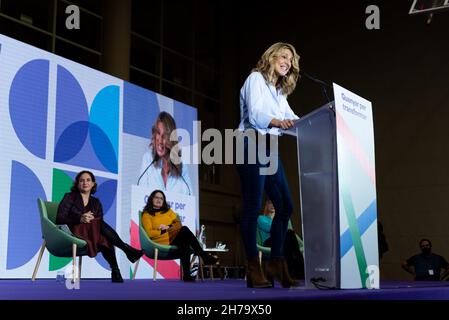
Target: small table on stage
{"x":217,"y":265}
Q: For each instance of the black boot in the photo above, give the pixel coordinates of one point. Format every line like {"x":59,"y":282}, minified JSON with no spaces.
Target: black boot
{"x":109,"y":256}
{"x":116,"y":276}
{"x":112,"y":236}
{"x":132,"y":254}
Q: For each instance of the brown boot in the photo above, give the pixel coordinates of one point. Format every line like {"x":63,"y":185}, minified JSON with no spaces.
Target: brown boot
{"x":254,"y":275}
{"x":293,"y":283}
{"x":269,"y":277}
{"x":276,"y":268}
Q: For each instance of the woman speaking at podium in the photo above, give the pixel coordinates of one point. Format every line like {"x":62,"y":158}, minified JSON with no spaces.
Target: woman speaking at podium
{"x":264,"y":110}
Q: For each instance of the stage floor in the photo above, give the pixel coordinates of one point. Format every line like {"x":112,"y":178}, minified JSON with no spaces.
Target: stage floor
{"x":211,"y":290}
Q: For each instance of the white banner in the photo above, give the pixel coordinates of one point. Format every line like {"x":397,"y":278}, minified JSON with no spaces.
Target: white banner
{"x":357,"y":191}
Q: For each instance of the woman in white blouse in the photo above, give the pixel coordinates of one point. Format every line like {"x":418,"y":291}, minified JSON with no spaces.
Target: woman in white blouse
{"x":158,"y":169}
{"x":264,"y":110}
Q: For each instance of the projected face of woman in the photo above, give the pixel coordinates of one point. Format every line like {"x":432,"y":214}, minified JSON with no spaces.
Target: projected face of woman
{"x":161,"y":140}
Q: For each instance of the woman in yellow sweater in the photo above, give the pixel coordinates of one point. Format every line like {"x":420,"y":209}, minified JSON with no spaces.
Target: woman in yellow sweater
{"x":163,"y":226}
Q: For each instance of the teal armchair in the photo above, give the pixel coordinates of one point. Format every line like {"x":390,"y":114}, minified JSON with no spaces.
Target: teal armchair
{"x":58,"y":242}
{"x":265,"y":251}
{"x":154,"y":250}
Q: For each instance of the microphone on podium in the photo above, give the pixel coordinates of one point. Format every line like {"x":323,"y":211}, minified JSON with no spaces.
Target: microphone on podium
{"x":320,"y":82}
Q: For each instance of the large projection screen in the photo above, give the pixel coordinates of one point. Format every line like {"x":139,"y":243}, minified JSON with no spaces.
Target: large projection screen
{"x":58,"y":117}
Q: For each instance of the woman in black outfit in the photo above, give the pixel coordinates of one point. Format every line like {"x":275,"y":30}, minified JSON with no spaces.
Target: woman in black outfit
{"x":83,"y":213}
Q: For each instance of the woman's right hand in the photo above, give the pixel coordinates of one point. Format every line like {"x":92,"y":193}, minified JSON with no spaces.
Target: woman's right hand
{"x":283,"y":124}
{"x":87,"y":217}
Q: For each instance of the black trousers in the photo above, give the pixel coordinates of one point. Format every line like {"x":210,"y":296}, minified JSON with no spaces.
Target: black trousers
{"x":112,"y":236}
{"x":186,"y":242}
{"x":292,"y":254}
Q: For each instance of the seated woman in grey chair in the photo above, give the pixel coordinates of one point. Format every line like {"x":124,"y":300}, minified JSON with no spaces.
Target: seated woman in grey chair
{"x":163,"y":226}
{"x":83,"y":213}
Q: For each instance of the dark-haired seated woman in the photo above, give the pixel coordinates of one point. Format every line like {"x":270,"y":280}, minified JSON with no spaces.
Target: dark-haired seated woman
{"x":83,"y":213}
{"x":164,"y":227}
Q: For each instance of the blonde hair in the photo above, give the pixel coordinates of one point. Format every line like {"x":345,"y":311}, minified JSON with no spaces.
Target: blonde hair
{"x":265,"y":66}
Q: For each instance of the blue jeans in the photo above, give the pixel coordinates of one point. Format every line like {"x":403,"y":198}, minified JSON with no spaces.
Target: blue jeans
{"x":253,"y":184}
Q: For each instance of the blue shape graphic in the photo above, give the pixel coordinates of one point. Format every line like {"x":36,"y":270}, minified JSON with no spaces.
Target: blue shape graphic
{"x":140,"y":110}
{"x":28,"y":105}
{"x":364,"y":221}
{"x":86,"y":157}
{"x":90,"y":143}
{"x":71,"y":141}
{"x":24,"y":233}
{"x":103,"y":148}
{"x":71,"y":107}
{"x":106,"y":192}
{"x":104,"y":115}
